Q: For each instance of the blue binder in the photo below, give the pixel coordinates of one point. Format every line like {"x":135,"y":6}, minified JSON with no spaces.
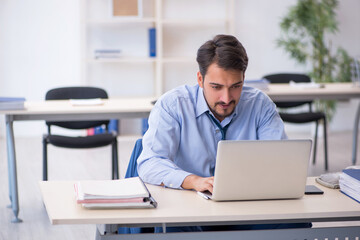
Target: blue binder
{"x":152,"y":42}
{"x":354,"y":173}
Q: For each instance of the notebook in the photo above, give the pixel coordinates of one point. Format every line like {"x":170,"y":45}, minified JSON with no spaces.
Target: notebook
{"x":263,"y":169}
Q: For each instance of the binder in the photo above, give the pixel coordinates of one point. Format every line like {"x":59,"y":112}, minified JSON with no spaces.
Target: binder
{"x":123,"y":193}
{"x":350,"y":183}
{"x":152,"y":42}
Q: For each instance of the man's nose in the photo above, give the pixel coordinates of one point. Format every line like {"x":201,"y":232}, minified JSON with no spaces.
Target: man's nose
{"x":225,"y":97}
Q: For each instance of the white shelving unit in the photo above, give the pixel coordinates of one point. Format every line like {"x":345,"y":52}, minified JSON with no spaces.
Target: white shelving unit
{"x":181,"y":27}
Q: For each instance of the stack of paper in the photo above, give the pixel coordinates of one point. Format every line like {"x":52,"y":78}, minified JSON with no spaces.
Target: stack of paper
{"x":86,"y":102}
{"x":11,"y":103}
{"x":350,"y":183}
{"x":124,"y":193}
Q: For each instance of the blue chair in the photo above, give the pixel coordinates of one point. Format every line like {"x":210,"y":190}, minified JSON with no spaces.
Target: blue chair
{"x":132,"y":172}
{"x":132,"y":167}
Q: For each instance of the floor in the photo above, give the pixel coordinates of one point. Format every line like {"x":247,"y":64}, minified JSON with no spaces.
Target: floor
{"x":65,"y":164}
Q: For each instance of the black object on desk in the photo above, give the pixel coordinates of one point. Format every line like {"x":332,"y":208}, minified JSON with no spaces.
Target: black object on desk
{"x":311,"y":189}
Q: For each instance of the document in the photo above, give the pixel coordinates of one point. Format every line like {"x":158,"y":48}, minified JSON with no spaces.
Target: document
{"x":86,"y":102}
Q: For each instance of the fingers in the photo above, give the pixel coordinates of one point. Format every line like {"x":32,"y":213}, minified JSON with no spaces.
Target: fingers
{"x":210,"y":188}
{"x":204,"y":184}
{"x":210,"y":184}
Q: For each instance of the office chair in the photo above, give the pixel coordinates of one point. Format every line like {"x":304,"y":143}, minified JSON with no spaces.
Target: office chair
{"x":132,"y":172}
{"x":303,"y":117}
{"x":98,"y":140}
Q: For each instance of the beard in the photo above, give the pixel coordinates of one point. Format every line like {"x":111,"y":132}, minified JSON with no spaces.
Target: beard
{"x":220,"y":112}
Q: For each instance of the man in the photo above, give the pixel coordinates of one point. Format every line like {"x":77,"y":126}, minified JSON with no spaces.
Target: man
{"x":186,"y":124}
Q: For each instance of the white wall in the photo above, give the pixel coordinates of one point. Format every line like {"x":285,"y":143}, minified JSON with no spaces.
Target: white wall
{"x":39,"y":50}
{"x":40,"y":47}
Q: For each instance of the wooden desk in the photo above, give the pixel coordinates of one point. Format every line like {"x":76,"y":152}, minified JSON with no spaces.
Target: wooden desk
{"x":185,"y":208}
{"x":62,"y":110}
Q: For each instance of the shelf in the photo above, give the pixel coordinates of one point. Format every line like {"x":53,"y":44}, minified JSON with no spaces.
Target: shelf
{"x":196,"y":22}
{"x":121,"y":21}
{"x":123,"y":60}
{"x":181,"y":26}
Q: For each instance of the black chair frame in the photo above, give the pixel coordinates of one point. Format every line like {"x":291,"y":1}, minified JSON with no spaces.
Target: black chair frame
{"x":94,"y":141}
{"x":303,"y":117}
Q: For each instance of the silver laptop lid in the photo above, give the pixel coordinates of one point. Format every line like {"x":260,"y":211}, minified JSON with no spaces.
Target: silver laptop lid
{"x":262,"y":169}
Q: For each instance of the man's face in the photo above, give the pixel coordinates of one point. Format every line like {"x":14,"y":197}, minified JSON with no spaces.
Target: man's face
{"x":222,"y":89}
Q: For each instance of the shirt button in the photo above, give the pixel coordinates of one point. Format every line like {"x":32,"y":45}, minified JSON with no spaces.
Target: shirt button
{"x":217,"y":130}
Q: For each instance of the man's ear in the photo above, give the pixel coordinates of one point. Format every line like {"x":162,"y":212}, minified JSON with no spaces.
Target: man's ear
{"x":200,"y":79}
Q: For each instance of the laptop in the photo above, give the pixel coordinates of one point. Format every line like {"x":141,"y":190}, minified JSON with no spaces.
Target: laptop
{"x":262,"y":169}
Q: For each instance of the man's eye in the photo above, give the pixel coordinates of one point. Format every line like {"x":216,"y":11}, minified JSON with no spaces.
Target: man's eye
{"x":237,"y":86}
{"x":215,"y":87}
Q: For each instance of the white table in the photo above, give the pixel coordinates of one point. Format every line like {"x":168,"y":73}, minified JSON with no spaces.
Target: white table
{"x":186,"y":208}
{"x":329,"y":91}
{"x":62,"y":110}
{"x":117,"y":108}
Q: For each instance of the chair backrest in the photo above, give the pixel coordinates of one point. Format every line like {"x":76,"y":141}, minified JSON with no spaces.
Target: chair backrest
{"x":132,"y":172}
{"x":76,"y":93}
{"x":286,"y":78}
{"x":132,"y":167}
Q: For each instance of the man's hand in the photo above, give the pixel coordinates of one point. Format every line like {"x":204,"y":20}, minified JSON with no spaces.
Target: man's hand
{"x":200,"y":184}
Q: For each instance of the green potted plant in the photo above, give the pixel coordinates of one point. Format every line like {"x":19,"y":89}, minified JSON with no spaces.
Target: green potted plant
{"x":305,"y":35}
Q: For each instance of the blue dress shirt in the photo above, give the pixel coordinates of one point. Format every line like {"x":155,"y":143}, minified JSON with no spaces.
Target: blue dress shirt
{"x":182,"y":138}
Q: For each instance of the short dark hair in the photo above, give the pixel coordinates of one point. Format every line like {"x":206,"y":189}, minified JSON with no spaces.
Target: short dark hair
{"x":224,"y":50}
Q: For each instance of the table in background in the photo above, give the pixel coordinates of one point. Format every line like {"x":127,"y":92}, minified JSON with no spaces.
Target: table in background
{"x":117,"y":108}
{"x":62,"y":110}
{"x":186,"y":208}
{"x":329,"y":91}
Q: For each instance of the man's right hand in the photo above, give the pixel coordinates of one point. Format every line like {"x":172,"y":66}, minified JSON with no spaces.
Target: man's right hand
{"x":197,"y":183}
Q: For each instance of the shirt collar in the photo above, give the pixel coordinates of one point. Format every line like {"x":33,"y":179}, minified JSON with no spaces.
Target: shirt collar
{"x":201,"y":105}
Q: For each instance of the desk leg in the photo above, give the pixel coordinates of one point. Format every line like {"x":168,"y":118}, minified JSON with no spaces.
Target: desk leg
{"x":13,"y":190}
{"x":106,"y":231}
{"x":355,"y":135}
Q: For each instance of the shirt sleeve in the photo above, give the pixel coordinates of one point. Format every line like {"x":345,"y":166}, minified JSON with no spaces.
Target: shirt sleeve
{"x":271,"y":126}
{"x":160,"y":145}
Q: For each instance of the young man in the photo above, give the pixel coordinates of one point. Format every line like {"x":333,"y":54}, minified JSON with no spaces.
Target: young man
{"x":186,"y":124}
